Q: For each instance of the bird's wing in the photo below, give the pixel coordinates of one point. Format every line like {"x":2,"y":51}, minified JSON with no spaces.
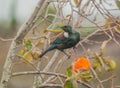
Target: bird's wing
{"x":63,"y":44}
{"x":57,"y":38}
{"x":68,"y":41}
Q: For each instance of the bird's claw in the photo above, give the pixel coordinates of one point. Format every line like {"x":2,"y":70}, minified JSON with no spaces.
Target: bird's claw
{"x":69,"y":56}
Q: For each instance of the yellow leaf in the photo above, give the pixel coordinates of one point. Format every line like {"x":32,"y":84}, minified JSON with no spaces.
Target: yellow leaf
{"x":22,"y":52}
{"x":45,"y":30}
{"x":117,"y":3}
{"x":76,"y":2}
{"x":68,"y":15}
{"x":108,"y":22}
{"x":118,"y":25}
{"x":27,"y":58}
{"x":36,"y":54}
{"x":39,"y":43}
{"x":111,"y":64}
{"x":53,"y":30}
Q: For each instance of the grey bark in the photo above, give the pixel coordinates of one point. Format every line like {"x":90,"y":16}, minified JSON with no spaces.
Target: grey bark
{"x":7,"y":70}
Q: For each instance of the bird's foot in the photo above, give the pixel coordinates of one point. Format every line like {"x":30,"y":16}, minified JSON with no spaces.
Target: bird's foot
{"x":74,"y":47}
{"x":68,"y":56}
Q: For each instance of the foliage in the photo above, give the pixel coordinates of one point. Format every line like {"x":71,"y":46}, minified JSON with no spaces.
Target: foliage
{"x":28,"y":54}
{"x":81,"y":69}
{"x":69,"y":84}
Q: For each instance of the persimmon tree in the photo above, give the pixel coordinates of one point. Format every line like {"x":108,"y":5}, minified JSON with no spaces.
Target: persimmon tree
{"x":85,"y":65}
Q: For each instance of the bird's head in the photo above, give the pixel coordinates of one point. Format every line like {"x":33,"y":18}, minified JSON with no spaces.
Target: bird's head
{"x":67,"y":28}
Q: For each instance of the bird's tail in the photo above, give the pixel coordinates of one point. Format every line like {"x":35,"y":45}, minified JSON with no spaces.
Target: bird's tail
{"x":49,"y":49}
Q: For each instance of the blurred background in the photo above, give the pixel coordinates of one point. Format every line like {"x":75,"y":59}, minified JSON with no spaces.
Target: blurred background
{"x":13,"y":13}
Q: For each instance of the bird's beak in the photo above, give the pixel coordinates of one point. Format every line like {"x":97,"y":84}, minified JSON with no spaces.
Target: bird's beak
{"x":62,"y":27}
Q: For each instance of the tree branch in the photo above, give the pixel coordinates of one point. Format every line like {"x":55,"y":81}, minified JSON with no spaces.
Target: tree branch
{"x":20,"y":35}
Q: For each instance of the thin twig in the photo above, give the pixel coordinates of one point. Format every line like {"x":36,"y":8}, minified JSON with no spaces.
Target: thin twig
{"x":6,"y":40}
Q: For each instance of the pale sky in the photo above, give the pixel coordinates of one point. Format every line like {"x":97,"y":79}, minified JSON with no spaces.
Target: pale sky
{"x":24,"y":8}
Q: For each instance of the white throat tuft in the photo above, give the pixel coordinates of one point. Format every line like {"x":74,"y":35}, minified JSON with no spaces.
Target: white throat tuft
{"x":66,"y":34}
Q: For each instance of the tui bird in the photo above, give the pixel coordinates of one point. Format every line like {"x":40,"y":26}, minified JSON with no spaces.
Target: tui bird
{"x":69,"y":39}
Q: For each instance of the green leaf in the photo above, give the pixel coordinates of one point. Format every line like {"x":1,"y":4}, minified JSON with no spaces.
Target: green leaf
{"x":69,"y":71}
{"x":36,"y":84}
{"x":97,"y":65}
{"x":51,"y":9}
{"x":27,"y":57}
{"x":69,"y":84}
{"x":28,"y":45}
{"x":86,"y":76}
{"x":117,"y":3}
{"x":56,"y":25}
{"x":111,"y":64}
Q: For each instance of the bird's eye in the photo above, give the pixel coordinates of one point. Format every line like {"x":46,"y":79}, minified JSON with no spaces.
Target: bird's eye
{"x":65,"y":26}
